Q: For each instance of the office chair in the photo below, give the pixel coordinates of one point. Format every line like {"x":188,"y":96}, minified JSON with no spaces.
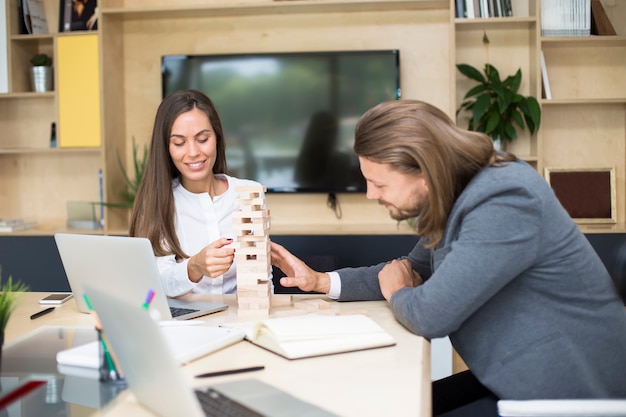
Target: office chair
{"x":562,"y":408}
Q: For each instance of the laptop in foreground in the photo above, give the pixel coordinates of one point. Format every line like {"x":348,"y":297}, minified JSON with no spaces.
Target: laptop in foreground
{"x":159,"y":384}
{"x":125,"y":265}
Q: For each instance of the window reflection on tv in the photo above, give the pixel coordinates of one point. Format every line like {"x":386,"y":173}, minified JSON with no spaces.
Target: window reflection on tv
{"x":289,"y":118}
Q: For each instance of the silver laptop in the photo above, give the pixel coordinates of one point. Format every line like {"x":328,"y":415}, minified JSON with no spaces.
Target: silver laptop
{"x":159,"y":384}
{"x":125,"y":265}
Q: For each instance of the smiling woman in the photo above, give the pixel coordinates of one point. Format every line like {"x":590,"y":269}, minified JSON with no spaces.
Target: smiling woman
{"x":185,"y":201}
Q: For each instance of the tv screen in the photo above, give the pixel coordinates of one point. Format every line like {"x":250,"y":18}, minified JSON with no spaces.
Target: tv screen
{"x":289,"y":118}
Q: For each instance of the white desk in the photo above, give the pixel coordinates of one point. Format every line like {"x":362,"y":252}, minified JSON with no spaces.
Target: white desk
{"x":393,"y":381}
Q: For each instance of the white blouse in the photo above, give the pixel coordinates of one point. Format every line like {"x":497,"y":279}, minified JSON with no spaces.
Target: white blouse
{"x":200,"y":221}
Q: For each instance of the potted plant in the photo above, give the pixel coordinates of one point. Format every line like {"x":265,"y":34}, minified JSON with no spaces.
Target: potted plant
{"x":41,"y":73}
{"x":496,"y":105}
{"x":132,"y":182}
{"x":8,"y":299}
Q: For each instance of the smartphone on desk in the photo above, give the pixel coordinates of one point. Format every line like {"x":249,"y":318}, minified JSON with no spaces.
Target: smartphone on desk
{"x":56,"y":298}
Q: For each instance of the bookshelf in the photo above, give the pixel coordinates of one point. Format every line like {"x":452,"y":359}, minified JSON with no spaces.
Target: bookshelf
{"x":38,"y":180}
{"x":583,"y":125}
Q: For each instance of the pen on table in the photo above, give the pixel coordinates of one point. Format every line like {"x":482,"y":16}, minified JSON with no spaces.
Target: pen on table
{"x":231,"y":371}
{"x":42,"y":313}
{"x":149,"y":299}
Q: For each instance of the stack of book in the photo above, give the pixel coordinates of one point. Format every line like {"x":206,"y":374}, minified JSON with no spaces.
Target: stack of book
{"x":483,"y":8}
{"x":566,"y":18}
{"x":14,"y":225}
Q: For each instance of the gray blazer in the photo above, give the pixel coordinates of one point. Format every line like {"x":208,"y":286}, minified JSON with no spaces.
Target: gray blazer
{"x":525,"y":299}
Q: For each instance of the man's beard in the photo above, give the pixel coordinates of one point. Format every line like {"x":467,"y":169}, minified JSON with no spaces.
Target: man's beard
{"x":400,"y":215}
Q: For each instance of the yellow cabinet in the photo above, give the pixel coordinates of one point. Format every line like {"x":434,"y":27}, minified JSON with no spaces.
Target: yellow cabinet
{"x":78,"y":91}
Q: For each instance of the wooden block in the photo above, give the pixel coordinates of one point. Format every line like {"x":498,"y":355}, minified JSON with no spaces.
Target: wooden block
{"x":302,"y":305}
{"x":252,"y":300}
{"x":253,"y":268}
{"x":261,"y":270}
{"x":253,"y":238}
{"x":254,"y":290}
{"x":250,"y":258}
{"x":251,"y":255}
{"x":240,"y":214}
{"x":313,"y":304}
{"x":250,"y":188}
{"x":258,"y":229}
{"x":255,"y":304}
{"x":321,"y":304}
{"x":249,"y":279}
{"x":259,"y":245}
{"x":254,"y":201}
{"x":262,"y":251}
{"x":281,"y":300}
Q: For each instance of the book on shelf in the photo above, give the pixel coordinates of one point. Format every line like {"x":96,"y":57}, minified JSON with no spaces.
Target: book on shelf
{"x":566,"y":18}
{"x":317,"y":334}
{"x":469,"y":9}
{"x":4,"y":57}
{"x":483,"y":8}
{"x":460,"y":8}
{"x":14,"y":225}
{"x":486,"y":8}
{"x":544,"y":78}
{"x":600,"y":23}
{"x":35,"y":16}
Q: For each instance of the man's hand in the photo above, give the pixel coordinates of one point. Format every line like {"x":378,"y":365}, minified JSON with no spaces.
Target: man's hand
{"x":213,"y":260}
{"x":298,"y":274}
{"x":397,"y":274}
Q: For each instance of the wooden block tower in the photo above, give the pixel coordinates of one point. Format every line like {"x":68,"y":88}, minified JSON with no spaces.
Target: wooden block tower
{"x":251,"y":226}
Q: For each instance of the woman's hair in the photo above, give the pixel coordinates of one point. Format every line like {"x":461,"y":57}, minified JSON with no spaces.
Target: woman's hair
{"x":415,"y":137}
{"x":154,"y":211}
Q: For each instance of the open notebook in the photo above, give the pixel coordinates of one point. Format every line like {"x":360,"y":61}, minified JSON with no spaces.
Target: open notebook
{"x":159,"y":384}
{"x":125,"y":265}
{"x":315,"y":335}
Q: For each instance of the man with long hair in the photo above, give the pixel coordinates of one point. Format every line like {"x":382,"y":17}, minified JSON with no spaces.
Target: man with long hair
{"x":500,"y":266}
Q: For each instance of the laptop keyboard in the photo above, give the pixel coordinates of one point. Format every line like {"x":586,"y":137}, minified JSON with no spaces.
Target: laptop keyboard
{"x":215,"y":404}
{"x":180,"y":311}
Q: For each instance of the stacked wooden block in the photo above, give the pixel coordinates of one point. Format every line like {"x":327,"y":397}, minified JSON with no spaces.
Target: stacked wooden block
{"x":251,"y":226}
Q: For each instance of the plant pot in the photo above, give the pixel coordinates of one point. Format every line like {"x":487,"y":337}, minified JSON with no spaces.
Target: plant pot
{"x":41,"y":78}
{"x":499,"y":144}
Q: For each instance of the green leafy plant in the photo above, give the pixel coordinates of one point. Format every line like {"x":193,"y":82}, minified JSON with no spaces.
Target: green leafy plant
{"x":41,"y":60}
{"x":8,"y":298}
{"x":496,"y":105}
{"x":132,"y":182}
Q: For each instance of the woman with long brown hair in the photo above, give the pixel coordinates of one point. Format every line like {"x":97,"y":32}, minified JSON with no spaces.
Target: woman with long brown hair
{"x":185,"y":201}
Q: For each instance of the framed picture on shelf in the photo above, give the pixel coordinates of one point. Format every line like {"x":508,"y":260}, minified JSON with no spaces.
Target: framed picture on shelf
{"x":78,"y":15}
{"x":587,"y":194}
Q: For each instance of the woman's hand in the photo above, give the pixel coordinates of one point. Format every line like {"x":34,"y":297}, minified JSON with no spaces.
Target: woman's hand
{"x":213,"y":260}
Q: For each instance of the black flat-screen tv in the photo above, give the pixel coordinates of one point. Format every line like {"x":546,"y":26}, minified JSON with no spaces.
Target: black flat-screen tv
{"x":289,"y":118}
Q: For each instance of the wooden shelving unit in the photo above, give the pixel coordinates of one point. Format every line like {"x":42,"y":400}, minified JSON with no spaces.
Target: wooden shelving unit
{"x":582,"y":125}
